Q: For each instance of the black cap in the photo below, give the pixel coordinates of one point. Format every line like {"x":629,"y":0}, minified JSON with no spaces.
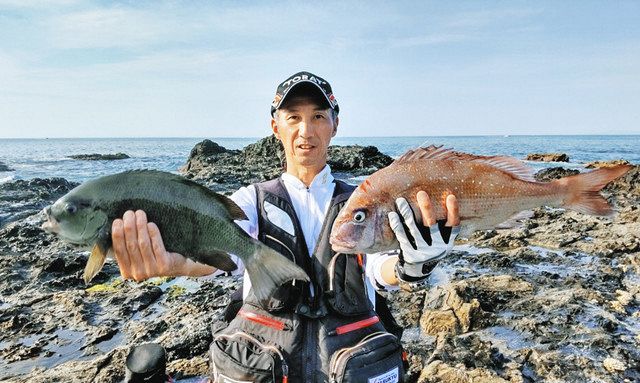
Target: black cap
{"x":304,"y":78}
{"x":146,"y":363}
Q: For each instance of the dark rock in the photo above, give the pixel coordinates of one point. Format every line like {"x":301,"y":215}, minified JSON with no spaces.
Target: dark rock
{"x":357,"y":159}
{"x":268,"y":149}
{"x":628,"y":185}
{"x":227,"y":170}
{"x":206,"y":148}
{"x":98,"y":157}
{"x":4,"y":168}
{"x":550,"y":174}
{"x":55,"y":266}
{"x":548,"y":157}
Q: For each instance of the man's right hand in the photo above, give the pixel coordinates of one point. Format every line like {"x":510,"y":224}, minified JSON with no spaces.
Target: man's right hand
{"x":140,"y":252}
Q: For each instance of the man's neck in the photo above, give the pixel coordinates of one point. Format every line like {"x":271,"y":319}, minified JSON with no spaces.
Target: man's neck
{"x":304,"y":173}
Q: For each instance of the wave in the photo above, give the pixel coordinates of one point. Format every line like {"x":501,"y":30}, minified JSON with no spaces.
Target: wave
{"x":5,"y":179}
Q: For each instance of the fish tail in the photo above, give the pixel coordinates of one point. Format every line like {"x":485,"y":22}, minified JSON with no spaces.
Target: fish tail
{"x":269,"y":269}
{"x":583,"y":190}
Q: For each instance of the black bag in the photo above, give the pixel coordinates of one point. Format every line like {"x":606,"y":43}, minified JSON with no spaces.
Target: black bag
{"x":377,"y":358}
{"x":240,"y":357}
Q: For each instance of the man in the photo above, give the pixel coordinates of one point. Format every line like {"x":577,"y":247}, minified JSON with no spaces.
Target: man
{"x":306,"y":330}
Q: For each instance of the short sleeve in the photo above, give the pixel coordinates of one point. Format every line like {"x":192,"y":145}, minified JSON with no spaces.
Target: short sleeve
{"x":373,"y":270}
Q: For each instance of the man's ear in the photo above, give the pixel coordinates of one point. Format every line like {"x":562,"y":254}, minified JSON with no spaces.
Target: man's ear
{"x":335,"y":127}
{"x":274,"y":127}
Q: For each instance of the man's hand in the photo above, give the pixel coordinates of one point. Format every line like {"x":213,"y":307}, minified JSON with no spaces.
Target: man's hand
{"x":420,"y":253}
{"x":140,"y":252}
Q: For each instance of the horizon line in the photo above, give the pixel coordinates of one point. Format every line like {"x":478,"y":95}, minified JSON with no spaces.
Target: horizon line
{"x":260,"y":137}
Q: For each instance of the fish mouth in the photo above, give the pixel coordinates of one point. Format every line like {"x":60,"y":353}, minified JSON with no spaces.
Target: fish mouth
{"x":50,"y":227}
{"x":341,"y":246}
{"x":50,"y":224}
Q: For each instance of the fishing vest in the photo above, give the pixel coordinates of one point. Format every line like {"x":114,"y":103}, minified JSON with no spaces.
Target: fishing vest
{"x":325,"y":330}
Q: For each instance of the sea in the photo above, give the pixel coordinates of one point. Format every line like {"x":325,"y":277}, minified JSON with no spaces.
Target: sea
{"x":43,"y":158}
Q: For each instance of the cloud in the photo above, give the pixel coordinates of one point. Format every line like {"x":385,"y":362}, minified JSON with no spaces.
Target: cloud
{"x":107,"y":28}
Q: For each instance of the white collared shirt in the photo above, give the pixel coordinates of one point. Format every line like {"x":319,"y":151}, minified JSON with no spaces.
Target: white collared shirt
{"x":311,"y":205}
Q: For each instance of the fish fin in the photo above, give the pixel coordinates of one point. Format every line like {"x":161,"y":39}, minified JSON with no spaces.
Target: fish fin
{"x":269,"y":269}
{"x":95,"y":262}
{"x":583,"y":189}
{"x":235,"y":212}
{"x":515,"y":220}
{"x":511,"y":165}
{"x":420,"y":153}
{"x":218,"y":259}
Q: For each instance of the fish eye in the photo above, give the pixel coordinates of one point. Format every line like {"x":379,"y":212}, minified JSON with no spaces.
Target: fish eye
{"x":71,"y":208}
{"x":359,"y":216}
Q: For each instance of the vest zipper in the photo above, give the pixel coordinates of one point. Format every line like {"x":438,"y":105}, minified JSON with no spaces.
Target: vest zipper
{"x":332,"y":266}
{"x":293,"y":257}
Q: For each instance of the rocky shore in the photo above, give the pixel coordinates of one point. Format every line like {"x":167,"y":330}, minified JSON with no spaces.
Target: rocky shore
{"x":554,"y":299}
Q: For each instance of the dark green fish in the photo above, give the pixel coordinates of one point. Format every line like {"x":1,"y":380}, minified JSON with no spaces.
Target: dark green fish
{"x":194,"y":221}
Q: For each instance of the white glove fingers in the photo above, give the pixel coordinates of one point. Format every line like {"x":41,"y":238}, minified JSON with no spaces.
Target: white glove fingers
{"x":436,"y":236}
{"x":398,"y":230}
{"x":409,"y":220}
{"x":454,"y":233}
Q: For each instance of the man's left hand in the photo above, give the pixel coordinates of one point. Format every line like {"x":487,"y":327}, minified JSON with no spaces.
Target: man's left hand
{"x":428,"y":244}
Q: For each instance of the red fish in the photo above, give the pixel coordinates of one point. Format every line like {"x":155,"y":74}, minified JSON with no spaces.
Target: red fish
{"x":489,"y":190}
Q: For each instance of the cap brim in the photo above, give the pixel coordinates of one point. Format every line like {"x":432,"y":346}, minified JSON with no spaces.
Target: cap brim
{"x":297,"y":85}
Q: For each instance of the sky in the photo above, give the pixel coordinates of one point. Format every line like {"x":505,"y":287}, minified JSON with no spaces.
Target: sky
{"x":210,"y":69}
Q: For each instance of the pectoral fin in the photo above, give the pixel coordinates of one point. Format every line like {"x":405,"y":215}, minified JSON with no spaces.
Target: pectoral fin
{"x":94,"y":264}
{"x":218,"y":259}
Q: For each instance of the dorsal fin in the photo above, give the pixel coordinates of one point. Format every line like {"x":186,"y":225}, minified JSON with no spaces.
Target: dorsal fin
{"x":235,"y":211}
{"x":511,"y":165}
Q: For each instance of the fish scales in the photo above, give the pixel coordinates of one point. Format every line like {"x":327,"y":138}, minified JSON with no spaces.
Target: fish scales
{"x":478,"y":188}
{"x":489,"y":190}
{"x":194,"y":221}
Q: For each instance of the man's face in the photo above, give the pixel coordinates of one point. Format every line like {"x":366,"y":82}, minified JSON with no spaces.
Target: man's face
{"x":305,"y":130}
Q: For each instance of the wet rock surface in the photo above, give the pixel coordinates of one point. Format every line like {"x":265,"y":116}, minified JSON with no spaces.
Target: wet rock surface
{"x":556,"y":299}
{"x":100,"y":157}
{"x":548,"y":157}
{"x":22,"y":198}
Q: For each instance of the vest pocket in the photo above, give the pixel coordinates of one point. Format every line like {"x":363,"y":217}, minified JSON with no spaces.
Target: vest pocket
{"x":239,"y":357}
{"x":376,"y":358}
{"x":347,"y":294}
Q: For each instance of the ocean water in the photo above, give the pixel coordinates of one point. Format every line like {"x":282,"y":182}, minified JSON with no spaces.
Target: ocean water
{"x":31,"y":158}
